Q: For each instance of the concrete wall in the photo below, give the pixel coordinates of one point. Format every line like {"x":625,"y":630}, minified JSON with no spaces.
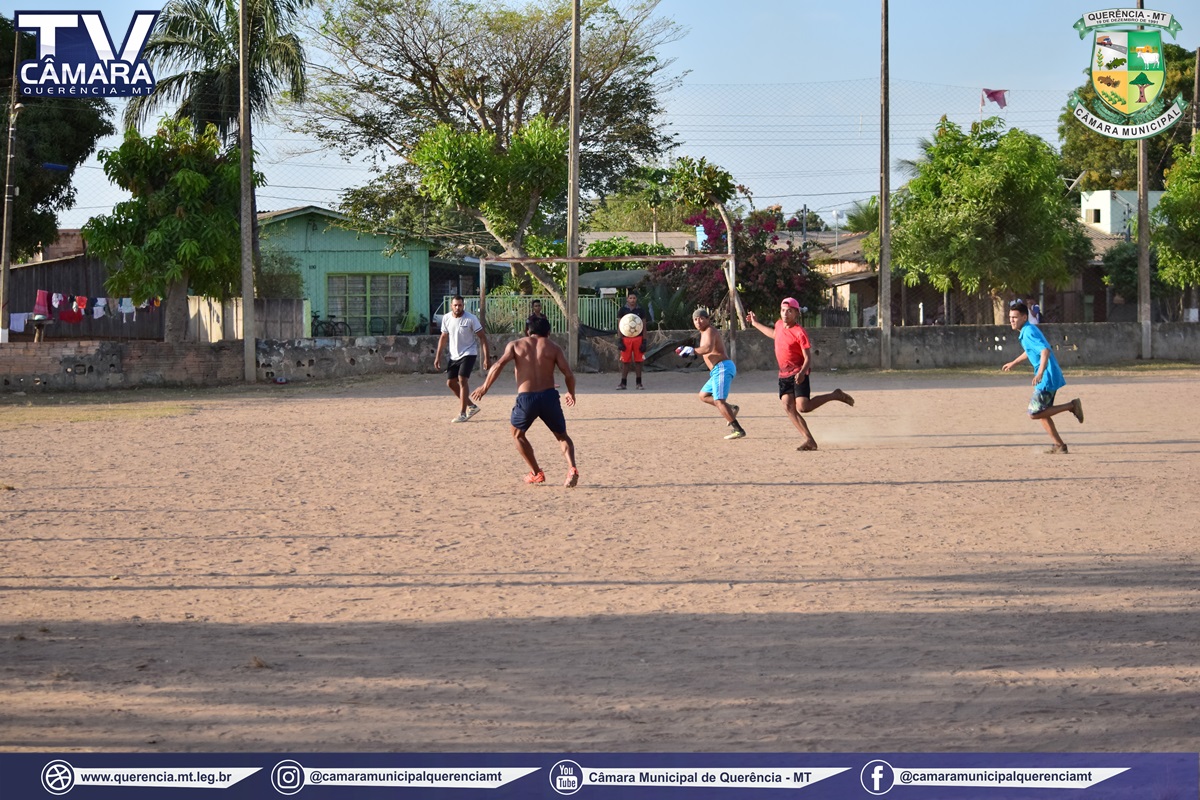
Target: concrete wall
{"x":87,"y":365}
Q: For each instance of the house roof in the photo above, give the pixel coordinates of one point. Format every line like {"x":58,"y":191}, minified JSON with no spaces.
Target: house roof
{"x":300,"y":211}
{"x":1102,"y":242}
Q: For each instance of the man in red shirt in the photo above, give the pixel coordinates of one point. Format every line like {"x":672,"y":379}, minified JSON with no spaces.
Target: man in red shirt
{"x":793,"y":352}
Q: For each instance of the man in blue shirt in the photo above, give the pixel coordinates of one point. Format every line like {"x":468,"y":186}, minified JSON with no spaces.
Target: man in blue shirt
{"x":1047,"y":377}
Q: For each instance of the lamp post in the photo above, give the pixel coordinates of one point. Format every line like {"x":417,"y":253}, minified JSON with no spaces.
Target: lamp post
{"x":10,"y":192}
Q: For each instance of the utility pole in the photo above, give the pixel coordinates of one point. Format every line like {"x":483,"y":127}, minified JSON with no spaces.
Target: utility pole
{"x":245,"y":142}
{"x":14,"y":108}
{"x":1143,"y":238}
{"x":885,"y":227}
{"x":573,"y":199}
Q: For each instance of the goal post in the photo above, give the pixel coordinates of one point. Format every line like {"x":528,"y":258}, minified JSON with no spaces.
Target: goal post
{"x":560,"y":297}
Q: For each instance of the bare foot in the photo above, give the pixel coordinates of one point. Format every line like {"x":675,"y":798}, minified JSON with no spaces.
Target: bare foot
{"x":808,"y":446}
{"x":845,"y":398}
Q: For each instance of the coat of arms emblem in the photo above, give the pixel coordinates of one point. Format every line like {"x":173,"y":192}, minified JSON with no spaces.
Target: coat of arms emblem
{"x":1129,"y":71}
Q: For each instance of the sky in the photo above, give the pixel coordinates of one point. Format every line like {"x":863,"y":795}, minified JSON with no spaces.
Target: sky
{"x":782,"y":93}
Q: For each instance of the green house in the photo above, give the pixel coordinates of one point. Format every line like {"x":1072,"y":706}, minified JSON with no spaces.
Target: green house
{"x":359,"y":279}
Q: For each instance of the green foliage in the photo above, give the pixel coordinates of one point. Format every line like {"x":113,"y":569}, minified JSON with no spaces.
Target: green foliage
{"x":199,"y":39}
{"x":401,"y":68}
{"x":985,"y":209}
{"x":700,"y":184}
{"x":181,"y":225}
{"x":672,"y":307}
{"x":1177,"y":222}
{"x":49,"y":130}
{"x":621,"y":246}
{"x":642,"y":204}
{"x":1108,"y":163}
{"x":1120,"y":267}
{"x":505,"y":186}
{"x":766,"y":272}
{"x":278,"y":275}
{"x":863,"y":217}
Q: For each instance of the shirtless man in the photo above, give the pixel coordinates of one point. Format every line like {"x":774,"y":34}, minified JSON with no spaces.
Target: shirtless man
{"x":535,"y":358}
{"x":721,"y":370}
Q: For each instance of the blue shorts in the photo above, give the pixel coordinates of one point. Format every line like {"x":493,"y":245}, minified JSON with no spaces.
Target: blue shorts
{"x":719,"y":380}
{"x":543,"y":405}
{"x":1041,"y":400}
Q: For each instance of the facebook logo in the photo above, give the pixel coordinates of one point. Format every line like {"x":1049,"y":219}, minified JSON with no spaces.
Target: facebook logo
{"x":877,"y":777}
{"x":77,"y":57}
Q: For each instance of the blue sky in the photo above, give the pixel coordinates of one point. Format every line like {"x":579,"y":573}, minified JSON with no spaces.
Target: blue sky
{"x":784,"y":93}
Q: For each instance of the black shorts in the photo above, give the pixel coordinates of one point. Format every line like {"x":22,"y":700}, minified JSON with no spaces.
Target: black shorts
{"x":789,"y":386}
{"x":543,"y":405}
{"x":462,"y":367}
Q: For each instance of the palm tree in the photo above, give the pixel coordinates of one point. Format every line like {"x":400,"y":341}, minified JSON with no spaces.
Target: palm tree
{"x":863,"y":217}
{"x":199,"y":38}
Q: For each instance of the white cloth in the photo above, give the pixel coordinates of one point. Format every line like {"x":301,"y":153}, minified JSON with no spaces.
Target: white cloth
{"x":462,"y":332}
{"x":16,"y":322}
{"x":56,"y":299}
{"x":98,"y":308}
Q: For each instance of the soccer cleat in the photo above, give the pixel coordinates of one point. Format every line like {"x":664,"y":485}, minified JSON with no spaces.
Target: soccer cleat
{"x":736,"y":434}
{"x":1058,"y":449}
{"x":472,"y":410}
{"x":536,"y":477}
{"x":1077,"y":409}
{"x":639,"y":385}
{"x":460,"y":418}
{"x":621,"y":385}
{"x":572,"y":478}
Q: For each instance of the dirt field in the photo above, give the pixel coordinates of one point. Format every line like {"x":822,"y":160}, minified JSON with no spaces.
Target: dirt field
{"x":289,"y":568}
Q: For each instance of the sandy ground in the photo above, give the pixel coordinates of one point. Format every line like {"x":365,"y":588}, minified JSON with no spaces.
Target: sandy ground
{"x":299,"y":568}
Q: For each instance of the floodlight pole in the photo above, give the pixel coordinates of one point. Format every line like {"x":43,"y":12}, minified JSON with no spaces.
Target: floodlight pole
{"x":245,"y":142}
{"x":885,"y":228}
{"x":14,"y":108}
{"x":1143,"y":238}
{"x":573,"y":200}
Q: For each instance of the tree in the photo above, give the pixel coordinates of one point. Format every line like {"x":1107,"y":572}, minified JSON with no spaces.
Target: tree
{"x":502,"y":188}
{"x":399,"y":69}
{"x":766,"y":272}
{"x":180,"y":228}
{"x":1120,"y":268}
{"x":1177,"y":222}
{"x":703,"y":185}
{"x":987,"y":210}
{"x":863,"y":217}
{"x":1108,"y":163}
{"x":53,"y":137}
{"x":199,"y":38}
{"x":642,"y":204}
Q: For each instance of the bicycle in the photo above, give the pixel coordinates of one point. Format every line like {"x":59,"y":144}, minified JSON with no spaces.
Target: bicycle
{"x":330,"y":326}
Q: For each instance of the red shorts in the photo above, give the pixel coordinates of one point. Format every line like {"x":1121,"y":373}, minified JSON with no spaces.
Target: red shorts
{"x":633,"y":350}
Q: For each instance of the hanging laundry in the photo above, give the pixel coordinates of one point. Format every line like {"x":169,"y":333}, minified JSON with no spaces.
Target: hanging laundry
{"x":16,"y":322}
{"x":70,"y":315}
{"x":56,"y":299}
{"x":81,"y":302}
{"x":41,"y":306}
{"x":98,"y":308}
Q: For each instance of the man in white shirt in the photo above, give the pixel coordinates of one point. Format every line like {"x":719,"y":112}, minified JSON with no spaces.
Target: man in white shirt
{"x":465,"y":335}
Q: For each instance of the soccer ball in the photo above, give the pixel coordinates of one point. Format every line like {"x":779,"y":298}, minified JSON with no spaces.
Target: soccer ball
{"x":630,"y":325}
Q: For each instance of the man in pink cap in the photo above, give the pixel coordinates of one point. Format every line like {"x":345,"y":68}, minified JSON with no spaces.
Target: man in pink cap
{"x":793,"y":352}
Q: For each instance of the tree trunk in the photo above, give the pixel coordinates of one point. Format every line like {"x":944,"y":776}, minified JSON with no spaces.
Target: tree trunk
{"x":731,"y":270}
{"x":175,"y":312}
{"x":999,"y":309}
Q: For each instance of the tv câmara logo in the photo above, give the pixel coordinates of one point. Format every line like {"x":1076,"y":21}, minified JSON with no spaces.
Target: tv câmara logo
{"x":1129,"y":70}
{"x":76,"y":56}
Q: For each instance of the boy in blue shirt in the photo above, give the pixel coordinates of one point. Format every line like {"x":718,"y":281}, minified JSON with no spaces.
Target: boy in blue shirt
{"x":1047,"y":377}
